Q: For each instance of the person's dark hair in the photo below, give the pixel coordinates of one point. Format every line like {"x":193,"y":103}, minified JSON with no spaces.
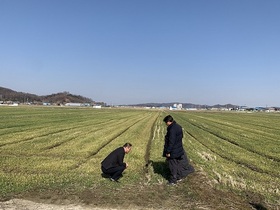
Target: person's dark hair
{"x":168,"y":118}
{"x":127,"y":145}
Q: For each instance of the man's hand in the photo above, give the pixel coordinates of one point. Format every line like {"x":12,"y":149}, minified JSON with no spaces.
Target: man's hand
{"x":168,"y":155}
{"x":126,"y":165}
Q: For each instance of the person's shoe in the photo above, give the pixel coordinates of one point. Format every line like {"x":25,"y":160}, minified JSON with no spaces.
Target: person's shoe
{"x":113,"y":180}
{"x":181,"y":179}
{"x":171,"y":184}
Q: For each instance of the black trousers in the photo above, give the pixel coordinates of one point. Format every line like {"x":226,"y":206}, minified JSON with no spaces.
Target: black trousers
{"x":185,"y":167}
{"x":174,"y":167}
{"x":179,"y":168}
{"x":115,"y":172}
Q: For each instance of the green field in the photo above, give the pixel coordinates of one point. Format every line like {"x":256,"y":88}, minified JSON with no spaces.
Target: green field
{"x":58,"y":148}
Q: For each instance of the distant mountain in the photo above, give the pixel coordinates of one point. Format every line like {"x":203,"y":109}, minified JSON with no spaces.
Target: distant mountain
{"x":66,"y":97}
{"x":57,"y":98}
{"x":11,"y":95}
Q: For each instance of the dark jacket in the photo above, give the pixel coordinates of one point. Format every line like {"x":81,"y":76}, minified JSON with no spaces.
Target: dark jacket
{"x":173,"y":141}
{"x":114,"y":159}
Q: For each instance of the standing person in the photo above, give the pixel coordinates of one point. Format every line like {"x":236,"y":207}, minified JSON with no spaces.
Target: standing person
{"x":113,"y":164}
{"x":173,"y":149}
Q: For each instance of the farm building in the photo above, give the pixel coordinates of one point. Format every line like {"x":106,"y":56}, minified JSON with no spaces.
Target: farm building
{"x":73,"y":104}
{"x":176,"y":107}
{"x":97,"y":106}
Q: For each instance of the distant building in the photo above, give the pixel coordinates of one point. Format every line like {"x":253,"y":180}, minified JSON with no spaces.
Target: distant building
{"x":180,"y":106}
{"x":192,"y":109}
{"x":176,"y":107}
{"x":96,"y":106}
{"x":73,"y":104}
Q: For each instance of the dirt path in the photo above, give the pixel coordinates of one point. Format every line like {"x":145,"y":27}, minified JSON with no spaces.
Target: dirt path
{"x":20,"y":204}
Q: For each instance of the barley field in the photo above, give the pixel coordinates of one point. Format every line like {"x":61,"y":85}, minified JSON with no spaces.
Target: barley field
{"x":59,"y":148}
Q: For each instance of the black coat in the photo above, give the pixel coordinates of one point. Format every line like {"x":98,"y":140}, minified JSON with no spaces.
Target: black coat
{"x":173,"y":144}
{"x":114,"y":159}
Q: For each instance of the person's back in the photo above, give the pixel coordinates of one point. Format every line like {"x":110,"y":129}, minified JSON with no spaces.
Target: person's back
{"x":177,"y":148}
{"x":173,"y":141}
{"x":114,"y":159}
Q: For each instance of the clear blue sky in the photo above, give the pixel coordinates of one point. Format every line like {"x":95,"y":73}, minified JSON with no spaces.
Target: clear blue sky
{"x":140,"y":51}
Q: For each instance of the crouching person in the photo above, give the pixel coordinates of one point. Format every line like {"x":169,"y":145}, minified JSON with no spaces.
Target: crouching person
{"x":113,"y":165}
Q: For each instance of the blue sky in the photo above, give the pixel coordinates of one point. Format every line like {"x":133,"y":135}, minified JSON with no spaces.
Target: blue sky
{"x":141,"y":51}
